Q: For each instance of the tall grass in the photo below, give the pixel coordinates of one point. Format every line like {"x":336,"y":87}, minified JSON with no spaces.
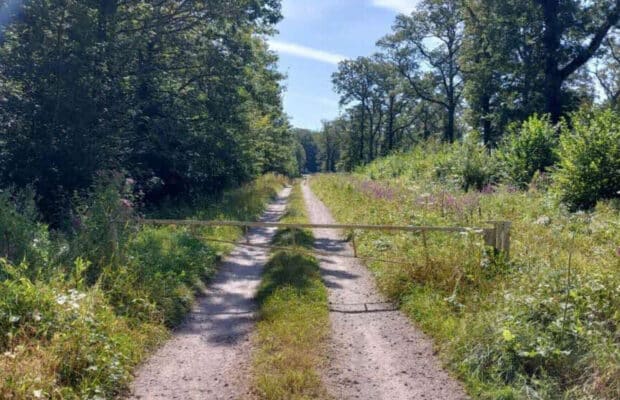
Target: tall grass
{"x":544,"y":324}
{"x":76,"y":323}
{"x":294,"y":317}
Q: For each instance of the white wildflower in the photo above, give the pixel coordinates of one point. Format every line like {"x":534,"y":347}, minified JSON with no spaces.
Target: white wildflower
{"x":62,"y":299}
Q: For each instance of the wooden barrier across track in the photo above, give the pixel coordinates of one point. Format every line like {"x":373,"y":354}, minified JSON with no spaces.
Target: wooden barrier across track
{"x":497,"y":235}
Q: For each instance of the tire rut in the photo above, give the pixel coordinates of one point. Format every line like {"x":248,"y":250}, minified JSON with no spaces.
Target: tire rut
{"x":209,"y":355}
{"x":374,"y":351}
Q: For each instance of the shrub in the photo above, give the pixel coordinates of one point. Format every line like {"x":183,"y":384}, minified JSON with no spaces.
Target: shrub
{"x":528,"y":150}
{"x":589,"y":168}
{"x":166,"y":263}
{"x":476,"y":168}
{"x":22,"y":238}
{"x":103,"y":224}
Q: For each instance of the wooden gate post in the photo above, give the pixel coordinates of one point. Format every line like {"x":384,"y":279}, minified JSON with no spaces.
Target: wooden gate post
{"x":498,"y":237}
{"x":354,"y":244}
{"x":502,"y":232}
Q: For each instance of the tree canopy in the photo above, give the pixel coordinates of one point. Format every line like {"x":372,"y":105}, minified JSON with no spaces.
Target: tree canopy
{"x":184,"y":97}
{"x":456,"y":66}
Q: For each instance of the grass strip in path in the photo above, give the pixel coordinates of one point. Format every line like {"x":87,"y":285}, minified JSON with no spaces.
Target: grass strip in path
{"x":294,"y":317}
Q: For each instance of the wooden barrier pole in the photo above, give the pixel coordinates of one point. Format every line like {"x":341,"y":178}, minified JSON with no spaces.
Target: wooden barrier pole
{"x":447,"y":229}
{"x":498,"y":237}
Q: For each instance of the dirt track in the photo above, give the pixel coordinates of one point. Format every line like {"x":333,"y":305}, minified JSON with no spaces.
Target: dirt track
{"x":374,"y":351}
{"x":208,"y":357}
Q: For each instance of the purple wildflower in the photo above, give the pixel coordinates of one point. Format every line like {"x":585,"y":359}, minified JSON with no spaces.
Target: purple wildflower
{"x":377,"y":190}
{"x":488,"y":189}
{"x":126,"y":203}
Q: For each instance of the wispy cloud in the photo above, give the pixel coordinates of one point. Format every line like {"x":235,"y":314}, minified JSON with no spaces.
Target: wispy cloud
{"x":401,"y":6}
{"x":305,"y":52}
{"x":306,"y":10}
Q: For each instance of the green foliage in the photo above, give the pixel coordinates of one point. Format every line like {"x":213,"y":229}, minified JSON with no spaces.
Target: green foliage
{"x":294,"y":319}
{"x":450,"y":67}
{"x":79,"y":329}
{"x":60,"y":342}
{"x":468,"y":164}
{"x":167,"y":263}
{"x":22,"y":237}
{"x":550,"y":333}
{"x":309,"y":157}
{"x":295,"y":214}
{"x":476,"y":168}
{"x":543,"y":324}
{"x":88,"y":86}
{"x":589,"y":167}
{"x":102,"y":224}
{"x":288,"y":269}
{"x":530,"y":149}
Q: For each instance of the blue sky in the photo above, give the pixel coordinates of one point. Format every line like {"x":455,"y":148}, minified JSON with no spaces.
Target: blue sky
{"x":314,"y":36}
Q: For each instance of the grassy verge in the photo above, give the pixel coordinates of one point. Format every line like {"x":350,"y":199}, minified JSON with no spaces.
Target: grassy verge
{"x":544,"y":325}
{"x":76,"y":320}
{"x":294,"y":317}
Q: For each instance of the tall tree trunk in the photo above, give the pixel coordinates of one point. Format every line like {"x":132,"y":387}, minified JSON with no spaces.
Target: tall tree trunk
{"x":450,"y":123}
{"x":487,"y":133}
{"x":552,"y":40}
{"x":390,"y":128}
{"x":362,"y":129}
{"x":371,"y":137}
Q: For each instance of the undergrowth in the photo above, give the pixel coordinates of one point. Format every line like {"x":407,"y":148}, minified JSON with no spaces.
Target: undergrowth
{"x":543,"y":325}
{"x":79,"y":312}
{"x":294,"y":316}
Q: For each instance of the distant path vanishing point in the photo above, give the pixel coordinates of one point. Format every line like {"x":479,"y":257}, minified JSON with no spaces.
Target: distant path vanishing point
{"x":374,"y":351}
{"x":209,"y":356}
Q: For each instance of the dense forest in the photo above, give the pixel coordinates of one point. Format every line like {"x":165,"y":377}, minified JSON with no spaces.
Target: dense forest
{"x":182,"y":97}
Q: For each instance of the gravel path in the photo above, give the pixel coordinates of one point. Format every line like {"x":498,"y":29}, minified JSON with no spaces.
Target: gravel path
{"x":374,"y":351}
{"x":209,"y":356}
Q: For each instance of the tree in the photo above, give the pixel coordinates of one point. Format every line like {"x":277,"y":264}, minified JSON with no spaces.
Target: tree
{"x":573,"y":32}
{"x":501,"y":64}
{"x":309,"y":143}
{"x":353,"y":82}
{"x":330,"y":144}
{"x":425,"y":46}
{"x":395,"y":104}
{"x":183,"y":96}
{"x":608,"y":74}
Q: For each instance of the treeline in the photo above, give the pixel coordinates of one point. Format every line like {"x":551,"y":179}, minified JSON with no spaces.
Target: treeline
{"x":457,"y":66}
{"x":183,"y":97}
